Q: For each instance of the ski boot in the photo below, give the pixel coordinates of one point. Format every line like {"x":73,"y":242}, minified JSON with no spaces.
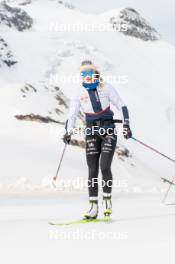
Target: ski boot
{"x":93,"y":212}
{"x":107,"y":205}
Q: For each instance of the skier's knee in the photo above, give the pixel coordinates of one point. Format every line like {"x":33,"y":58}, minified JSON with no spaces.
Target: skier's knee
{"x":104,"y":168}
{"x":93,"y":169}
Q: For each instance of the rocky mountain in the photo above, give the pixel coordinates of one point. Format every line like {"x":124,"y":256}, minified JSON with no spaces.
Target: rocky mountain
{"x":55,"y":110}
{"x":6,"y":57}
{"x":14,"y":17}
{"x":134,"y":25}
{"x":19,"y":2}
{"x":26,"y":2}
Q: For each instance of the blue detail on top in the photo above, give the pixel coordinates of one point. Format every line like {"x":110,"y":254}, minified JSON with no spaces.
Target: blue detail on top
{"x":91,"y":86}
{"x":106,"y":114}
{"x":95,"y":100}
{"x":99,"y":113}
{"x":125,"y":114}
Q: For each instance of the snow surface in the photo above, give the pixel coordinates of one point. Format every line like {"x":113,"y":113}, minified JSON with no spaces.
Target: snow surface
{"x":141,"y":231}
{"x":30,"y":151}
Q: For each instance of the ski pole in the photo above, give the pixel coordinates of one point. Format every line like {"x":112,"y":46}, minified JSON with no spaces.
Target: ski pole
{"x":153,"y":149}
{"x":168,"y":181}
{"x":168,"y":190}
{"x":165,"y":156}
{"x":59,"y":166}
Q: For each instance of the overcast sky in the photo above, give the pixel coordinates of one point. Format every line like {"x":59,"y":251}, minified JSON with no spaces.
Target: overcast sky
{"x":160,"y":13}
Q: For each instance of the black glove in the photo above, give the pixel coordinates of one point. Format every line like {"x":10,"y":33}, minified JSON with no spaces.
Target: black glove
{"x":127,"y":133}
{"x":67,"y":138}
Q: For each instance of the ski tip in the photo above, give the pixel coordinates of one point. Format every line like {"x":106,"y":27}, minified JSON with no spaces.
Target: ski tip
{"x":58,"y":224}
{"x":50,"y":223}
{"x":82,"y":221}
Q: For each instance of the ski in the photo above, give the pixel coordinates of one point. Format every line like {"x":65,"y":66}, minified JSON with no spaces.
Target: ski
{"x":82,"y":221}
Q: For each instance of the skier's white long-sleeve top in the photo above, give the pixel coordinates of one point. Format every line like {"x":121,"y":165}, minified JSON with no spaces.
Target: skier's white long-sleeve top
{"x":96,"y":105}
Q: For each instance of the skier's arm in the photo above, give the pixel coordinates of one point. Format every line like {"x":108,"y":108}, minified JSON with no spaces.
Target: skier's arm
{"x":73,"y":113}
{"x":118,"y":103}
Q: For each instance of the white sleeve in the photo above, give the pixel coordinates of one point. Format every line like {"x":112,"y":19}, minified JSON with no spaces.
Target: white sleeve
{"x":73,"y":113}
{"x":116,"y":100}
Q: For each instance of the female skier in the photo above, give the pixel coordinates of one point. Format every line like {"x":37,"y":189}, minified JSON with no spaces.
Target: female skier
{"x":94,"y":98}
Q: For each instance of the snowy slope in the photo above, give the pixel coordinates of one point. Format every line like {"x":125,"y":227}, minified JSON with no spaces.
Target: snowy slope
{"x":6,"y":57}
{"x":48,"y":67}
{"x":14,"y":17}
